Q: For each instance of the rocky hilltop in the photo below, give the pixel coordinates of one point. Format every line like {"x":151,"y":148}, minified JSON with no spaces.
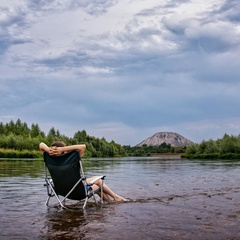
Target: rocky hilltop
{"x":175,"y":139}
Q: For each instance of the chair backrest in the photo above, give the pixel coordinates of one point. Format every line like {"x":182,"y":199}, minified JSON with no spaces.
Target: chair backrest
{"x":65,"y":173}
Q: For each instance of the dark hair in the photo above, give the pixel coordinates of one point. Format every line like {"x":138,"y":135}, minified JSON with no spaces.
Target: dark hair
{"x":58,"y":144}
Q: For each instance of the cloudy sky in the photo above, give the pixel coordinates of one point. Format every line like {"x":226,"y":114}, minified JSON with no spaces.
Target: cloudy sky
{"x":122,"y":69}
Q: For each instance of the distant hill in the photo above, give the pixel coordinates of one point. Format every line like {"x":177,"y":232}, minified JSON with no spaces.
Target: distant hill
{"x":175,"y":139}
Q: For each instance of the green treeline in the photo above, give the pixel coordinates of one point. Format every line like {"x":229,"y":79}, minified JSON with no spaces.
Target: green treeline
{"x":142,"y":151}
{"x":18,"y":140}
{"x":226,"y":148}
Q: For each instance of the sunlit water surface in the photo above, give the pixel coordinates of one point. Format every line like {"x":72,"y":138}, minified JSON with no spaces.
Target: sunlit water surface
{"x":170,"y":199}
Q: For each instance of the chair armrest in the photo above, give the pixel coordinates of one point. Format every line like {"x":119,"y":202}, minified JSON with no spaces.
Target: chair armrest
{"x":95,"y":179}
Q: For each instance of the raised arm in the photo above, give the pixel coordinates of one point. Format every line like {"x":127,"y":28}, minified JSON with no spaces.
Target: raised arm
{"x":55,"y":151}
{"x":80,"y":147}
{"x":43,"y":147}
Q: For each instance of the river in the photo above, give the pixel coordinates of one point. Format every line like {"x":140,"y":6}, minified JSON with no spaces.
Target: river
{"x":169,"y":199}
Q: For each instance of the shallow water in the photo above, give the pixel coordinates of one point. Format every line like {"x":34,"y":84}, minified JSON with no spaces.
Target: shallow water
{"x":170,"y":199}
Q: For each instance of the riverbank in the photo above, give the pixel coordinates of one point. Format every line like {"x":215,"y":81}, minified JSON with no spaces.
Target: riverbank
{"x":168,"y":155}
{"x":213,"y":156}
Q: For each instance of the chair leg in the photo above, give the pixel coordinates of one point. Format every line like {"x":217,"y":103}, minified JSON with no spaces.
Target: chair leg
{"x":60,"y":202}
{"x":85,"y":202}
{"x":102,"y":191}
{"x":95,"y":199}
{"x":46,"y":203}
{"x":55,"y":195}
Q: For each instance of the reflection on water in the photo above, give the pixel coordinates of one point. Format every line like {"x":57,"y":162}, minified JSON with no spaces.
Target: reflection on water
{"x":170,"y":199}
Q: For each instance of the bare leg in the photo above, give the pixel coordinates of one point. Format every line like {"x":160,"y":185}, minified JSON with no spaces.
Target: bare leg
{"x":115,"y":196}
{"x":105,"y":196}
{"x":106,"y":191}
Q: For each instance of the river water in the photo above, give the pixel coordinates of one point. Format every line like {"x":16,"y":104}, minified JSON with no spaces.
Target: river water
{"x":169,"y":199}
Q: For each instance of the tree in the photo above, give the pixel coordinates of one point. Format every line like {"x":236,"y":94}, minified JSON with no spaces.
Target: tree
{"x":35,"y":130}
{"x":51,"y":135}
{"x":228,"y":144}
{"x":81,"y":136}
{"x":1,"y":128}
{"x":211,"y":147}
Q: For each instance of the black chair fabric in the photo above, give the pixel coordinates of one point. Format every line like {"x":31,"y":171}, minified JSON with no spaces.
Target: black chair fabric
{"x":65,"y":172}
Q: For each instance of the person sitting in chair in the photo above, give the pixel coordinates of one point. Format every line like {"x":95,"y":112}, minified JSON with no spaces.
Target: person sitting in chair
{"x":59,"y":147}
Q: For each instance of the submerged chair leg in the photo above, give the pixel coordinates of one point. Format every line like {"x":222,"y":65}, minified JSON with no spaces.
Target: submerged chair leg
{"x":46,"y":203}
{"x":49,"y":190}
{"x":52,"y":193}
{"x":102,"y":191}
{"x":95,"y":199}
{"x":85,"y":203}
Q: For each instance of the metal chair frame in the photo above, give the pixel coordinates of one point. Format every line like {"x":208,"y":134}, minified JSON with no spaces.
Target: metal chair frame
{"x":89,"y":192}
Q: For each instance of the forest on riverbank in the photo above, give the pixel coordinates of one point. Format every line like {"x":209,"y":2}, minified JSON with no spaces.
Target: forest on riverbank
{"x":18,"y":140}
{"x":145,"y":151}
{"x":228,"y":147}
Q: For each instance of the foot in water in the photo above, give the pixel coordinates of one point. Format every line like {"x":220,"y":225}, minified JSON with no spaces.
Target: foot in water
{"x":121,"y":199}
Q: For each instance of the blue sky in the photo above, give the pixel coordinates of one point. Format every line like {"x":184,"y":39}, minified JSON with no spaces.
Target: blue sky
{"x":122,"y":70}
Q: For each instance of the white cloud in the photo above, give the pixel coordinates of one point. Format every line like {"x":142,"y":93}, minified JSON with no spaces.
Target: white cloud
{"x":123,"y":69}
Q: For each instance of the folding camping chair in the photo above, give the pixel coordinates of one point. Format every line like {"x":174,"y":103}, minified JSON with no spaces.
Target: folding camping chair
{"x":67,"y":180}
